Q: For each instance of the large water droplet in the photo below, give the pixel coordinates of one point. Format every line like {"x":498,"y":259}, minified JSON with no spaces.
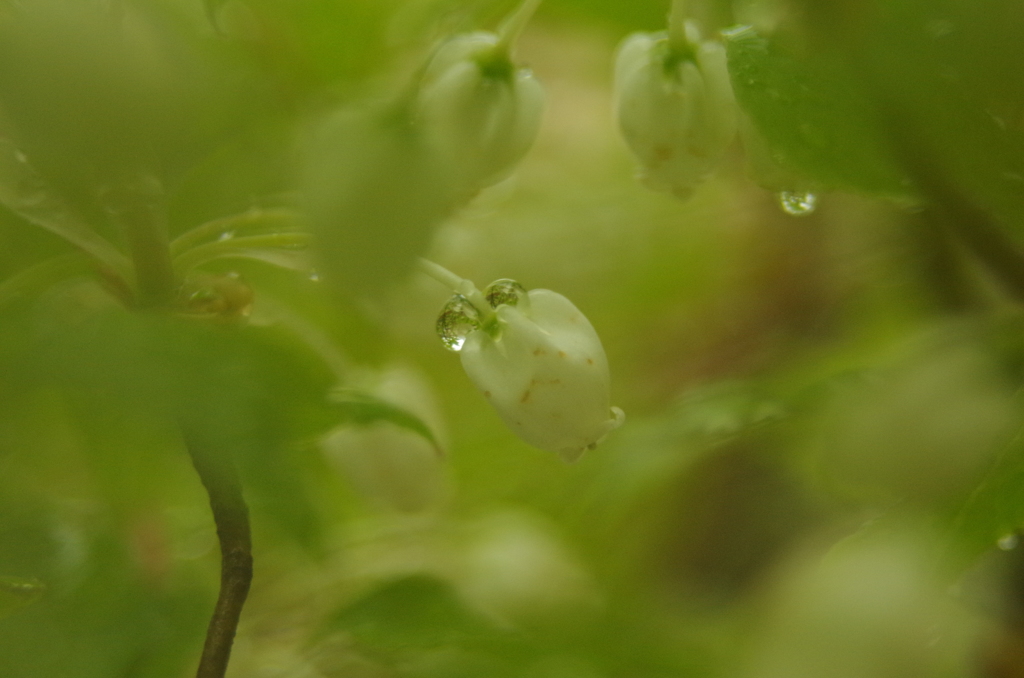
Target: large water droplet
{"x":504,"y":291}
{"x":1008,"y":542}
{"x":456,"y":321}
{"x":797,"y":203}
{"x":314,"y":276}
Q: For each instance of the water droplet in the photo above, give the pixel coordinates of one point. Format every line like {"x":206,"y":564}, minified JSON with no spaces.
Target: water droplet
{"x":504,"y":291}
{"x":1008,"y":542}
{"x":314,"y":276}
{"x":21,"y":157}
{"x":226,"y":235}
{"x":797,"y":203}
{"x":456,"y":321}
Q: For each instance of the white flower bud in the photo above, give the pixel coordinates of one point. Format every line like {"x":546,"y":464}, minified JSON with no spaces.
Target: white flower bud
{"x":481,"y":110}
{"x":675,"y":106}
{"x":535,"y":357}
{"x":541,"y":365}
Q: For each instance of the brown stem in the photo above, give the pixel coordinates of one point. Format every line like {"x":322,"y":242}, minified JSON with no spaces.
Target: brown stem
{"x":231,"y":516}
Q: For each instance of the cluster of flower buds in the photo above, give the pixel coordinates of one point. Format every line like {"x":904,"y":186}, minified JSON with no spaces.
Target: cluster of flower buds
{"x":481,"y":110}
{"x":675,"y":105}
{"x":537,"y":360}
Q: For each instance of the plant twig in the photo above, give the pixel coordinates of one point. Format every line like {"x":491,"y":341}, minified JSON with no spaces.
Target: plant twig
{"x":231,"y":516}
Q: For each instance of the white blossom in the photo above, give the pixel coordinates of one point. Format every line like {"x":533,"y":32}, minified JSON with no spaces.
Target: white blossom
{"x":675,"y":106}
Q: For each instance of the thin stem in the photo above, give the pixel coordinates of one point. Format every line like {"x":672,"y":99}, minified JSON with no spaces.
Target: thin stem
{"x":231,"y":516}
{"x":458,"y":285}
{"x":510,"y":29}
{"x":440,"y":274}
{"x":677,"y":25}
{"x":211,"y":230}
{"x":137,"y":208}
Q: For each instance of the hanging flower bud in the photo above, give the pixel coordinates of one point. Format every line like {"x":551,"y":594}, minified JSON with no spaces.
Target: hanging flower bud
{"x":482,"y":111}
{"x":675,"y":106}
{"x":538,"y":361}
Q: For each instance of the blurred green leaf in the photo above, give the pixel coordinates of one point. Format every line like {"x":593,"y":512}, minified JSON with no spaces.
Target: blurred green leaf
{"x":992,"y":511}
{"x":813,"y":113}
{"x":374,"y":192}
{"x":944,"y":79}
{"x":411,"y":613}
{"x":363,"y":409}
{"x":25,"y":193}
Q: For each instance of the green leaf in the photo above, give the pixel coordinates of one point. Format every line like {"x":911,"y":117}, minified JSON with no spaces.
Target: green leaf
{"x":813,"y":113}
{"x":414,"y":612}
{"x":362,"y":409}
{"x":993,"y":510}
{"x":25,"y":193}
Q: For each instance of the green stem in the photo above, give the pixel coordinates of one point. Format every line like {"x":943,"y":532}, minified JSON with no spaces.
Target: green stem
{"x":510,"y":29}
{"x":211,"y":230}
{"x":231,"y":515}
{"x":137,"y":208}
{"x":458,"y":285}
{"x":677,"y":26}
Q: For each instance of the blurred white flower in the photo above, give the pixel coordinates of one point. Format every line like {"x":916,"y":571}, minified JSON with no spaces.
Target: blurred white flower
{"x":675,"y":106}
{"x":517,"y":571}
{"x":481,"y":110}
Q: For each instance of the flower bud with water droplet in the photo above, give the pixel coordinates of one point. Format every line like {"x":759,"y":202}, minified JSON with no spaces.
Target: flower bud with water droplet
{"x":540,"y":363}
{"x":675,"y":106}
{"x":481,"y":110}
{"x":457,"y":320}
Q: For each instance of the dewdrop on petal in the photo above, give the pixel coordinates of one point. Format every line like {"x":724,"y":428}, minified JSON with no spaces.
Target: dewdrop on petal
{"x":539,"y":362}
{"x":481,"y":110}
{"x":675,"y":107}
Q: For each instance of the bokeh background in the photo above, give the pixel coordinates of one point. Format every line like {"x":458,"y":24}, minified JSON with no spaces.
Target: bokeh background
{"x":820,"y":473}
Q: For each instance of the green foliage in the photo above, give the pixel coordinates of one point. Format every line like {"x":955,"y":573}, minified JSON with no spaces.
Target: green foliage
{"x":814,"y":114}
{"x":210,"y":215}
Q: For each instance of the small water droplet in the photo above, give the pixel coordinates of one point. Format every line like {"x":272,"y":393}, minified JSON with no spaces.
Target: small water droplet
{"x":456,"y":321}
{"x":314,"y":276}
{"x":226,"y":235}
{"x":504,"y":291}
{"x":21,"y":157}
{"x":797,"y":203}
{"x":1008,"y":542}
